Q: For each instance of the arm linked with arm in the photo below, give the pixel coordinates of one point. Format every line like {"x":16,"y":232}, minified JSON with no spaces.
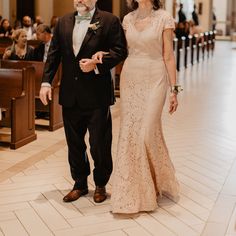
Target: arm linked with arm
{"x":117,"y":47}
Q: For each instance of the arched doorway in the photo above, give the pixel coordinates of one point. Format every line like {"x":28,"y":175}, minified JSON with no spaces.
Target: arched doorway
{"x":25,"y":7}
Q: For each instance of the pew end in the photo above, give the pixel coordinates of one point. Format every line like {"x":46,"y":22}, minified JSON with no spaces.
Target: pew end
{"x":17,"y":91}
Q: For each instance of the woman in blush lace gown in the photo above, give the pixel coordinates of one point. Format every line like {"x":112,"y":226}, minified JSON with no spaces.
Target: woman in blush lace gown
{"x":143,"y":169}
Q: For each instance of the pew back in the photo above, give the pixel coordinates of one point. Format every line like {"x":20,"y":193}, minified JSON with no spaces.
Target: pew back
{"x":54,"y":109}
{"x":17,"y":91}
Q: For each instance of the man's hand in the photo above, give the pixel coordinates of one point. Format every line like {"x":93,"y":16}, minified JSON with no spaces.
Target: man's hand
{"x":45,"y":94}
{"x":87,"y":65}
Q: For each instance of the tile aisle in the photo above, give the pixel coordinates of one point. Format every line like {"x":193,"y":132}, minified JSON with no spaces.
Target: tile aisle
{"x":201,"y":138}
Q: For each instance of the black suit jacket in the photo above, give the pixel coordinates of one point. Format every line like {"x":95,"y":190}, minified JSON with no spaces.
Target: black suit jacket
{"x":87,"y":90}
{"x":39,"y":52}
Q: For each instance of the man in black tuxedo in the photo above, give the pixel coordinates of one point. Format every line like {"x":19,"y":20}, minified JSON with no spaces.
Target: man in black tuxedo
{"x":44,"y":34}
{"x":86,"y":90}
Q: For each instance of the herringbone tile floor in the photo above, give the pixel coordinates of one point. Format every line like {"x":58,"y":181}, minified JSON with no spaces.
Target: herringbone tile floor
{"x":201,"y":138}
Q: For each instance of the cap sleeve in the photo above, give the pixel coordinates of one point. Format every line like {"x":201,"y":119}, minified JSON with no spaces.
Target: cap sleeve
{"x":125,"y":22}
{"x":169,"y":22}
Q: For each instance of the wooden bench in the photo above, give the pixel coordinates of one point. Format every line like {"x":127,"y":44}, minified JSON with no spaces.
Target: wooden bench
{"x":53,"y":108}
{"x":17,"y":91}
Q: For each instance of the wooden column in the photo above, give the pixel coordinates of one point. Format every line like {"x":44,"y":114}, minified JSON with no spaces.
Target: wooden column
{"x":105,"y":5}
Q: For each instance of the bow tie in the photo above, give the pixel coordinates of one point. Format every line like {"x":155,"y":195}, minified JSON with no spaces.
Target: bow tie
{"x":83,"y":17}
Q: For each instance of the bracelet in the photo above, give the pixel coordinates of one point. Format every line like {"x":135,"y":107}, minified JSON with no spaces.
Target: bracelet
{"x":176,"y":89}
{"x":47,"y":86}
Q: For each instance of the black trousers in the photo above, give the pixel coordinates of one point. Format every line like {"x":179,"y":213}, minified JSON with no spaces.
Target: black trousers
{"x":99,"y":125}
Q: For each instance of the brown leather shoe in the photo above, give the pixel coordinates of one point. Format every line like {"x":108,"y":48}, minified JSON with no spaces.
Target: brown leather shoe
{"x":75,"y":194}
{"x":100,"y":194}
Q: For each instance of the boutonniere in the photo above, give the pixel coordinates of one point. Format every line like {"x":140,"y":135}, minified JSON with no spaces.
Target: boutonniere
{"x":94,"y":27}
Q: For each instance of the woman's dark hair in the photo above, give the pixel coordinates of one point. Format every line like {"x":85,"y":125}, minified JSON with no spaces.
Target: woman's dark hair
{"x":133,"y":4}
{"x":2,"y":22}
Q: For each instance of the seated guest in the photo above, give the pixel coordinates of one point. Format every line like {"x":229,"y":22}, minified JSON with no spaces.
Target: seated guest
{"x":27,"y":26}
{"x":5,"y":29}
{"x":53,"y":23}
{"x":38,"y":21}
{"x":17,"y":24}
{"x":43,"y":34}
{"x":197,"y":31}
{"x":19,"y":50}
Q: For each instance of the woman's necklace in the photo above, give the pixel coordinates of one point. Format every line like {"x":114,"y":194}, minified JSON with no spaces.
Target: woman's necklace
{"x":20,"y":52}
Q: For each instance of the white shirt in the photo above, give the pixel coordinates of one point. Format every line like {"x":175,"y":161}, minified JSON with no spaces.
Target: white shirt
{"x":46,"y":48}
{"x":79,"y":32}
{"x":29,"y":32}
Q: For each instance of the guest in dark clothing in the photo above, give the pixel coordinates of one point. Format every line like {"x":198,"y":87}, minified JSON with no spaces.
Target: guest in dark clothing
{"x":19,"y":50}
{"x":53,"y":22}
{"x":195,"y":15}
{"x":27,"y":26}
{"x":17,"y":24}
{"x":213,"y":20}
{"x":182,"y":17}
{"x":5,"y":29}
{"x":43,"y":34}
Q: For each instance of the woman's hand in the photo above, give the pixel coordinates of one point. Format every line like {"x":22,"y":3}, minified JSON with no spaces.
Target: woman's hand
{"x":98,"y":56}
{"x":6,"y":54}
{"x":173,"y":103}
{"x":87,"y":65}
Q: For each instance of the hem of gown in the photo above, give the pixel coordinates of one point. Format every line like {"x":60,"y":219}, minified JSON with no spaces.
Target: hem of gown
{"x":126,"y":211}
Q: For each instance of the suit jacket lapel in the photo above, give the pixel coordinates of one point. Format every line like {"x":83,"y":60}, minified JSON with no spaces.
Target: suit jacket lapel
{"x":70,"y":28}
{"x":96,"y":18}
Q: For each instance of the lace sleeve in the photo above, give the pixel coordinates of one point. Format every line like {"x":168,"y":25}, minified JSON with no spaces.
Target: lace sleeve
{"x":125,"y":23}
{"x":169,"y":22}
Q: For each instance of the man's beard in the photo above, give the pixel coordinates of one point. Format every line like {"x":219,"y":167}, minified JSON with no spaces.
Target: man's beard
{"x":82,"y":8}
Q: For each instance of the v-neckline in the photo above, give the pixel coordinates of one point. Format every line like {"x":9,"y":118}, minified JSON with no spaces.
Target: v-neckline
{"x":144,"y":29}
{"x":147,"y":27}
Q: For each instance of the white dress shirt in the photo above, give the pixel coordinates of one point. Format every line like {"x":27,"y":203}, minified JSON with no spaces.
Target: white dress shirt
{"x":79,"y":32}
{"x":46,"y":48}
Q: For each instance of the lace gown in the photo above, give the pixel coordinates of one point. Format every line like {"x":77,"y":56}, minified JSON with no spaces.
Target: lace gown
{"x":143,"y":168}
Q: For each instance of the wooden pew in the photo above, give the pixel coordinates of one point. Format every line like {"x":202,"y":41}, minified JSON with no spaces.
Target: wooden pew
{"x":17,"y":91}
{"x":188,"y":47}
{"x":54,"y":109}
{"x":194,"y":49}
{"x":175,"y":48}
{"x":4,"y":43}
